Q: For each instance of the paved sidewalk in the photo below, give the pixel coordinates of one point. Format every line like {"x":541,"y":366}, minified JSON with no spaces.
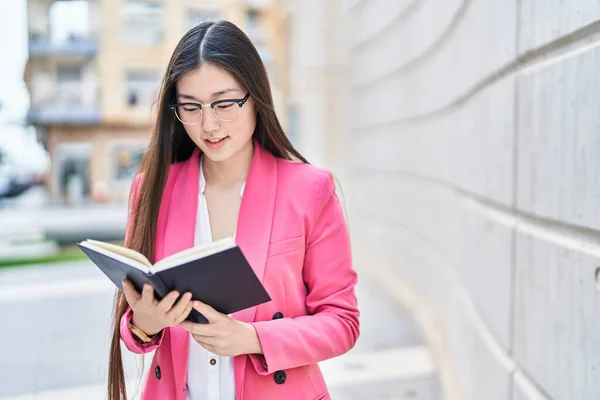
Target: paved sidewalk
{"x":70,"y":224}
{"x":60,"y":321}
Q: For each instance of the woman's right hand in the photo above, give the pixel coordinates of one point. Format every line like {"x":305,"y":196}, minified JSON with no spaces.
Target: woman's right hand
{"x":151,"y":315}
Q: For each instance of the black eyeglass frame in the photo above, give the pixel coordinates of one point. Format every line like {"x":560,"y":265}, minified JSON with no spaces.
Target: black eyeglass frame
{"x":239,"y":102}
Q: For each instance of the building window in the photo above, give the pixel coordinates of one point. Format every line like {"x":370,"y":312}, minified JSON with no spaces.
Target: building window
{"x":257,"y":36}
{"x":293,"y":124}
{"x":126,"y":159}
{"x":72,"y":170}
{"x":196,"y":17}
{"x":68,"y":73}
{"x":253,"y":19}
{"x":141,"y":88}
{"x":68,"y":85}
{"x":67,"y":20}
{"x":143,"y":23}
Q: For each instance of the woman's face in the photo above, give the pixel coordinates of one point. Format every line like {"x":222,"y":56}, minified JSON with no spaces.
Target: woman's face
{"x":219,"y":139}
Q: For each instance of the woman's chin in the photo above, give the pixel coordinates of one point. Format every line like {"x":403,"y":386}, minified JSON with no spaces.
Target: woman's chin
{"x":221,"y":153}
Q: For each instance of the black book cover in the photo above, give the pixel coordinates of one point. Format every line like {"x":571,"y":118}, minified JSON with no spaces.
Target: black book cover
{"x":223,"y":280}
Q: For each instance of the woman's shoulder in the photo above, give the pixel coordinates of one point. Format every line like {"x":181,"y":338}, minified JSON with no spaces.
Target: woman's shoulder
{"x":308,"y":177}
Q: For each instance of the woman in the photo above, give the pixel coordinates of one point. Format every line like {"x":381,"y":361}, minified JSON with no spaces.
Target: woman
{"x":218,"y":165}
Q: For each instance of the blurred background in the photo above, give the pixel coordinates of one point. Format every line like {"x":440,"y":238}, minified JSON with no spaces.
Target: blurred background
{"x":465,"y":135}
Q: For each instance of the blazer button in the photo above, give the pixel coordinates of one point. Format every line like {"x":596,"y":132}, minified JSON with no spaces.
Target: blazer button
{"x":279,"y":377}
{"x":157,"y":372}
{"x":277,"y":315}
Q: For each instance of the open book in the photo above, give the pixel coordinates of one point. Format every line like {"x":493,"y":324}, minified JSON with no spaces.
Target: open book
{"x":217,"y":274}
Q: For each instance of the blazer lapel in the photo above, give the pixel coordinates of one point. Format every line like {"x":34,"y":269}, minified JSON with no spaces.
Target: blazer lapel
{"x":254,"y":233}
{"x":182,"y":197}
{"x":178,"y":227}
{"x":256,"y":216}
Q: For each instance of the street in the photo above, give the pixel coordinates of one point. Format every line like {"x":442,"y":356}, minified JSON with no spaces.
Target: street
{"x":56,"y":319}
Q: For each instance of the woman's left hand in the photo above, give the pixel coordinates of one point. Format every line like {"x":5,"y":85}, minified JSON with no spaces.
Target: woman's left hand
{"x":223,"y":335}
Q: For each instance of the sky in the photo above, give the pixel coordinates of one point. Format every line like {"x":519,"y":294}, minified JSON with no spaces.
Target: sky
{"x":67,"y":17}
{"x":18,"y":142}
{"x":14,"y":98}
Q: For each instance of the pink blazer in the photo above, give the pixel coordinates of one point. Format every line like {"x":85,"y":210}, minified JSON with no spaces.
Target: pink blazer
{"x":291,"y":227}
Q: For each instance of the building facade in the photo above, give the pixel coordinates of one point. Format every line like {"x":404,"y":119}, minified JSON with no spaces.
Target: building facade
{"x":93,"y":73}
{"x":467,"y":133}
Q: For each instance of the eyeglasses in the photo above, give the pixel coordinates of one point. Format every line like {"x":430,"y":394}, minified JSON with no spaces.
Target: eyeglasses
{"x":224,"y":110}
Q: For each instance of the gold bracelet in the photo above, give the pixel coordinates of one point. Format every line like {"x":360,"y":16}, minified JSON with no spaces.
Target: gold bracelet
{"x":140,"y":333}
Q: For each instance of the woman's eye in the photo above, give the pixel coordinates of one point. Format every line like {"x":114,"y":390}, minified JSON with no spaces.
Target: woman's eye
{"x":186,"y":109}
{"x":224,"y":106}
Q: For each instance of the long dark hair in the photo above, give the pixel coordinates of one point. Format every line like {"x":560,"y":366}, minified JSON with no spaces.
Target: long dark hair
{"x":224,"y":45}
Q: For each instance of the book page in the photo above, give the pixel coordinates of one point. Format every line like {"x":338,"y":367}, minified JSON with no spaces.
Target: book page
{"x":193,"y":253}
{"x":116,"y":256}
{"x":124,"y":251}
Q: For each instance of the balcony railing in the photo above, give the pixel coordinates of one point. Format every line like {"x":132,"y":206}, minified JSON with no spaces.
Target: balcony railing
{"x":67,"y":106}
{"x":42,"y":46}
{"x":57,"y":115}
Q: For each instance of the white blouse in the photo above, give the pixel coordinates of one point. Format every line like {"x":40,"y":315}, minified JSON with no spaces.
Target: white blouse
{"x":209,"y":377}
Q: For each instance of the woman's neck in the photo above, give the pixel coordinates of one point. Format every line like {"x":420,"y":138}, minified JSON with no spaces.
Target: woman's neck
{"x":230,"y":172}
